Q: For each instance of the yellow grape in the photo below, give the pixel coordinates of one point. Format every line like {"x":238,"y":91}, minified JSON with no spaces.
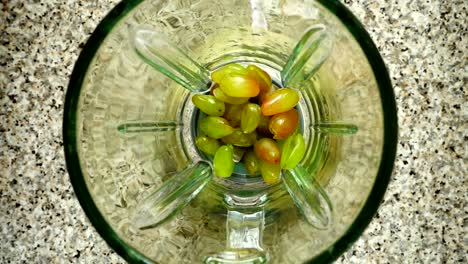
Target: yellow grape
{"x":262,"y":78}
{"x":280,"y":101}
{"x":237,"y":85}
{"x":218,"y":93}
{"x":219,"y":74}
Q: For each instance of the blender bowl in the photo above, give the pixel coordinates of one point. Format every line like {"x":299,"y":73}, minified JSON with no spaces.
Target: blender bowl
{"x":129,"y":129}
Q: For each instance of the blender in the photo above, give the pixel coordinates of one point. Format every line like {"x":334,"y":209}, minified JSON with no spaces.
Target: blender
{"x":129,"y":130}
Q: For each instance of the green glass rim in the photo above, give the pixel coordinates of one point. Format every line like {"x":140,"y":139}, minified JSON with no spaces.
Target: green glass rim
{"x":132,"y":255}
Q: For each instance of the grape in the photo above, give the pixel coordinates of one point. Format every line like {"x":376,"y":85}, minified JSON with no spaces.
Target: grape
{"x":264,"y":94}
{"x":215,"y":127}
{"x":270,"y":172}
{"x":238,"y":154}
{"x":251,"y":162}
{"x":222,"y":162}
{"x":284,"y":124}
{"x":218,"y":93}
{"x":263,"y":126}
{"x":250,"y":117}
{"x":262,"y":78}
{"x":243,"y":103}
{"x":208,"y":104}
{"x":240,"y":139}
{"x":207,"y":145}
{"x":280,"y":101}
{"x":233,"y":114}
{"x":237,"y":85}
{"x":219,"y":74}
{"x":293,"y":151}
{"x":267,"y":150}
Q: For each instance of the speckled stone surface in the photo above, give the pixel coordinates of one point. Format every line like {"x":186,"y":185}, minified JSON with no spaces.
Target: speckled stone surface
{"x":423,"y":218}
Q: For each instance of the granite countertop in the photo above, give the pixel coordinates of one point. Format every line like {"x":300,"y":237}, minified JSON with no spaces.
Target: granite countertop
{"x":423,"y":216}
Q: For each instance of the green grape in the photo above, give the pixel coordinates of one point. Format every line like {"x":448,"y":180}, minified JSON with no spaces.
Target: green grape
{"x":237,"y":85}
{"x":220,"y":95}
{"x":250,"y":117}
{"x":262,"y":78}
{"x":219,"y":74}
{"x":235,"y":117}
{"x":240,"y":139}
{"x":238,"y":153}
{"x":270,"y":172}
{"x":208,"y":104}
{"x":251,"y":162}
{"x":207,"y":145}
{"x":280,"y":101}
{"x":233,"y":114}
{"x":222,"y":162}
{"x":267,"y":150}
{"x":284,"y":124}
{"x":215,"y":127}
{"x":293,"y":151}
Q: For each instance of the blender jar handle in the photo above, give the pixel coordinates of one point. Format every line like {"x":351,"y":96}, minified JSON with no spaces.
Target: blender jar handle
{"x":244,"y":231}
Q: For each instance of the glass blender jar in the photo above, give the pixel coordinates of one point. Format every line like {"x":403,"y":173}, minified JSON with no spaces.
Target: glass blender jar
{"x":129,"y":132}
